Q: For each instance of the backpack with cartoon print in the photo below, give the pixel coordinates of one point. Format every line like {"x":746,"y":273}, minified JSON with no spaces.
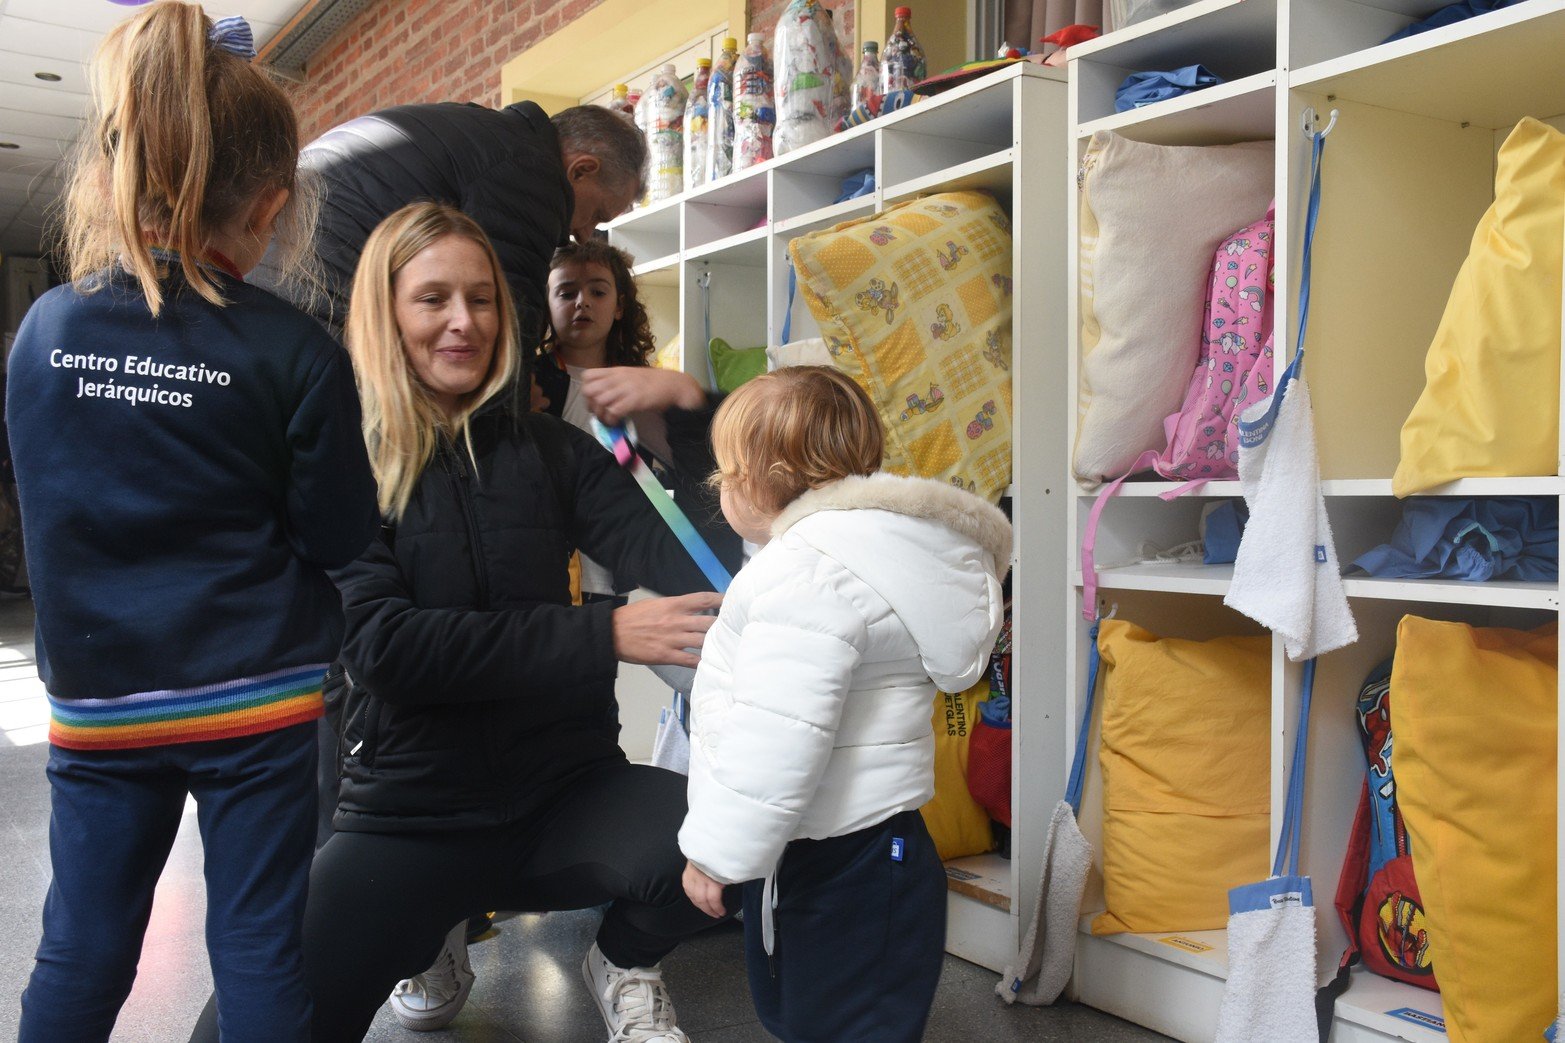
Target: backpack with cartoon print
{"x":1377,"y":894}
{"x":1234,"y":368}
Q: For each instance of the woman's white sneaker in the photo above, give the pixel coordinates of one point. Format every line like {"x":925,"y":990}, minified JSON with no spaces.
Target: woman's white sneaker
{"x":429,"y":1001}
{"x":633,"y":1001}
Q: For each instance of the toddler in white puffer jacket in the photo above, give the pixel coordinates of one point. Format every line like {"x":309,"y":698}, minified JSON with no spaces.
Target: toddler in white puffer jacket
{"x":811,"y":745}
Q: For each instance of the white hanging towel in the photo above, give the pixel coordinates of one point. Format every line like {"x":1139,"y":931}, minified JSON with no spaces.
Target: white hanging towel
{"x":1047,"y":957}
{"x":1270,"y":992}
{"x":1285,"y":574}
{"x":671,"y":746}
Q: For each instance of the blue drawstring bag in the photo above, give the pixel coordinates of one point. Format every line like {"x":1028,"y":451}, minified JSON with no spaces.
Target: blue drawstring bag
{"x":1478,"y":539}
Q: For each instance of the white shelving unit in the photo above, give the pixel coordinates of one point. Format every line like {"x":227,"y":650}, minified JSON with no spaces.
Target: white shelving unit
{"x":1005,"y":133}
{"x":1408,"y":172}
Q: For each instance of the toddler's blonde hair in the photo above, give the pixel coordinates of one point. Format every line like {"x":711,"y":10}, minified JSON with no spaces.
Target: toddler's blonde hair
{"x":792,"y":430}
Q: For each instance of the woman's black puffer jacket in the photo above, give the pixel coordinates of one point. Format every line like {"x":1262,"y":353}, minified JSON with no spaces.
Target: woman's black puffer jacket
{"x":475,"y":692}
{"x":501,"y":167}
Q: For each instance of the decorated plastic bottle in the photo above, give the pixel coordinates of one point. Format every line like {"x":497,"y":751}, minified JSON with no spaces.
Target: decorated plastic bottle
{"x":901,"y":62}
{"x":665,"y":100}
{"x":842,"y":79}
{"x":621,"y":102}
{"x":805,"y":57}
{"x":866,"y":85}
{"x":720,"y":113}
{"x":754,"y":114}
{"x":697,"y":133}
{"x":639,"y":103}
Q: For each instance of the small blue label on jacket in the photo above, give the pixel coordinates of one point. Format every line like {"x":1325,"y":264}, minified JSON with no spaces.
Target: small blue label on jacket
{"x":1418,"y":1017}
{"x":1320,"y":553}
{"x":896,"y":849}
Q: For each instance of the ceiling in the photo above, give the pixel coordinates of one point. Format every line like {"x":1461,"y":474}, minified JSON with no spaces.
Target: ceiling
{"x":44,"y":118}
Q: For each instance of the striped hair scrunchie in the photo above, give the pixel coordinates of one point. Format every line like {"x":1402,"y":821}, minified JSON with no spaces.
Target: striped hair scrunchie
{"x":233,"y":35}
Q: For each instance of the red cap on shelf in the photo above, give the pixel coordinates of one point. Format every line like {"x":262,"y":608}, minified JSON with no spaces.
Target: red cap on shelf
{"x":904,"y":12}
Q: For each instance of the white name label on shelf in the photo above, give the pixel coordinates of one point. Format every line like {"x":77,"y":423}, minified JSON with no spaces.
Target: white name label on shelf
{"x":1187,"y":944}
{"x":1418,"y":1017}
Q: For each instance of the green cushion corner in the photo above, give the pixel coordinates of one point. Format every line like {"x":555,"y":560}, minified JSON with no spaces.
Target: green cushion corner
{"x":733,"y":366}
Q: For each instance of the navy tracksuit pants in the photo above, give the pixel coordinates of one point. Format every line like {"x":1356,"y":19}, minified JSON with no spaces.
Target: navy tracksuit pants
{"x":860,"y":936}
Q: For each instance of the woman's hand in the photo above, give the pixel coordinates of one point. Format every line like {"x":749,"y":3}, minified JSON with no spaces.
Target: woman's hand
{"x":615,"y":392}
{"x":659,"y":630}
{"x":705,"y":893}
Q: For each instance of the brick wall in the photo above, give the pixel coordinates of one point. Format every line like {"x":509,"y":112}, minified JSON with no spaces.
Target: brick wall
{"x":402,"y":51}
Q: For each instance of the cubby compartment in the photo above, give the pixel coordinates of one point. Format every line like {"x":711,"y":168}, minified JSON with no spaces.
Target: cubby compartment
{"x":1171,"y":980}
{"x":722,"y":299}
{"x":1402,"y":192}
{"x":651,"y":235}
{"x":1135,"y":537}
{"x":728,"y":214}
{"x":1235,"y":41}
{"x":972,"y":125}
{"x":1501,"y":52}
{"x":810,"y":181}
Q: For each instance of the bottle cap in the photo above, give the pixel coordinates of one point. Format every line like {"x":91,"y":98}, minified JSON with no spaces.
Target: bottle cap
{"x":669,"y":70}
{"x":730,"y":44}
{"x":620,"y":90}
{"x":904,"y":12}
{"x":755,"y":38}
{"x":871,"y":47}
{"x":703,"y":63}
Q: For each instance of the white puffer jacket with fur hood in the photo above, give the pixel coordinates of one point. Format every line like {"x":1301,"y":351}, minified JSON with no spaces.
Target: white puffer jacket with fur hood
{"x":811,"y":709}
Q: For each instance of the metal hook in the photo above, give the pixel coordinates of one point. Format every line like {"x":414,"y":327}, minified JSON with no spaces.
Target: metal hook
{"x":1311,"y":119}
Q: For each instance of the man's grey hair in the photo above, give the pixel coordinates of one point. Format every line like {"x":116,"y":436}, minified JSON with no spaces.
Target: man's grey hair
{"x":616,"y":142}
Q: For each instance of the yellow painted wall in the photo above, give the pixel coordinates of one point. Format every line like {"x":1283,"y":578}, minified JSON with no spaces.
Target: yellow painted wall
{"x":560,"y":70}
{"x":940,"y":25}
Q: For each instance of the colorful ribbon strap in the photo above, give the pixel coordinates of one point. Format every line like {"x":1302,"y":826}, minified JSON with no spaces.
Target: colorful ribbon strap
{"x":616,"y":441}
{"x":233,"y":35}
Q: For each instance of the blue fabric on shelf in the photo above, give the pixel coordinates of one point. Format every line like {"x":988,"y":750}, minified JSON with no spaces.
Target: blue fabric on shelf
{"x":859,"y":183}
{"x":1471,"y":539}
{"x":1459,"y":12}
{"x":1221,"y":530}
{"x":996,"y":711}
{"x":1144,"y":88}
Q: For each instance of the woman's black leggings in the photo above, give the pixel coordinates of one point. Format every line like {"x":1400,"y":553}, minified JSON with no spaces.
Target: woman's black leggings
{"x":380,"y":905}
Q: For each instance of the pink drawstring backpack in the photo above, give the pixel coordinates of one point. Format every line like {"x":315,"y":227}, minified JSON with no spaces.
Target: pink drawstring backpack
{"x":1235,"y":364}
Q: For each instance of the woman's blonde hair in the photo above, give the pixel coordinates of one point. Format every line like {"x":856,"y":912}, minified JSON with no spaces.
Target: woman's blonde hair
{"x":183,"y":137}
{"x":402,"y":422}
{"x":792,"y":430}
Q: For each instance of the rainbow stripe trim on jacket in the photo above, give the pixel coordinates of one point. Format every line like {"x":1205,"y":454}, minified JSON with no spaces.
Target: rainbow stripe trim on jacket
{"x":248,"y":706}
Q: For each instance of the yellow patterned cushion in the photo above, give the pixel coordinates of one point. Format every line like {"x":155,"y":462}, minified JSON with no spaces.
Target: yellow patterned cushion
{"x":915,"y":305}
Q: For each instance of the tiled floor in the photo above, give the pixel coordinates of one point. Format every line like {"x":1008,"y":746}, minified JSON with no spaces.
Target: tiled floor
{"x":529,"y":979}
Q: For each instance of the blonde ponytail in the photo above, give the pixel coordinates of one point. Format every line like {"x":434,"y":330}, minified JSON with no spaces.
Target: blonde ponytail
{"x":185,"y":138}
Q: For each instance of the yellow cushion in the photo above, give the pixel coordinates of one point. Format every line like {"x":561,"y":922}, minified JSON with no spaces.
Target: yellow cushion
{"x":1185,"y":753}
{"x":1475,"y":719}
{"x":958,"y":824}
{"x":915,"y":304}
{"x":1490,"y":406}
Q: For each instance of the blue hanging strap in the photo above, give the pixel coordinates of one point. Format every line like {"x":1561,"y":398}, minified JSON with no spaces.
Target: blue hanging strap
{"x":1253,"y":432}
{"x":1078,"y":775}
{"x":793,"y":288}
{"x":1290,"y":838}
{"x":704,"y":281}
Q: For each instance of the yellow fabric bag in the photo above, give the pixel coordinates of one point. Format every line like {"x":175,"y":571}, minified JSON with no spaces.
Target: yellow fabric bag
{"x":1475,"y":718}
{"x":958,"y":824}
{"x":915,"y":306}
{"x":1186,"y":755}
{"x":1490,"y":406}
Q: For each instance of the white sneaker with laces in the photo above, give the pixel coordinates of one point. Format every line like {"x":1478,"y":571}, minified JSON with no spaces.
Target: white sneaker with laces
{"x":429,"y":1001}
{"x":633,"y":1001}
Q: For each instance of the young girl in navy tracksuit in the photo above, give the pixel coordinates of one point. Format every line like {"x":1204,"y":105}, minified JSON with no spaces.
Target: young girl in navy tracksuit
{"x":189,"y":464}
